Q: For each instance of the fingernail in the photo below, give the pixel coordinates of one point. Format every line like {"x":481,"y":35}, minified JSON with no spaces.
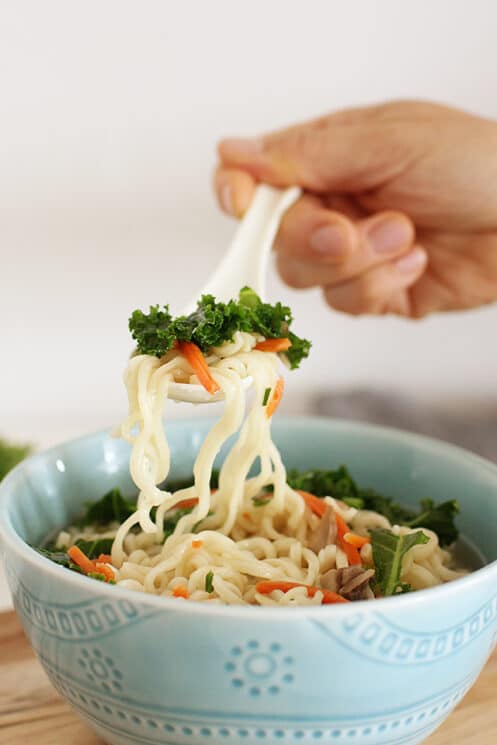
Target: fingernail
{"x":412,"y":262}
{"x":226,"y":199}
{"x":329,"y":241}
{"x":389,"y":235}
{"x":240,"y":148}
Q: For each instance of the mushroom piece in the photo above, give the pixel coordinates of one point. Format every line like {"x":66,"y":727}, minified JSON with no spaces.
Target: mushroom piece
{"x":351,"y":582}
{"x":325,"y":533}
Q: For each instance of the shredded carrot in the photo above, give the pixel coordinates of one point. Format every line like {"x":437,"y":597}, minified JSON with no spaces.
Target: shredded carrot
{"x":350,"y":551}
{"x":246,"y":515}
{"x":81,"y":559}
{"x":358,"y":541}
{"x":105,"y":570}
{"x":197,"y":544}
{"x":200,"y":367}
{"x":181,"y":591}
{"x":185,"y":504}
{"x":315,"y":504}
{"x":273,"y":345}
{"x":267,"y":587}
{"x":105,"y":559}
{"x":275,"y":397}
{"x":349,"y":547}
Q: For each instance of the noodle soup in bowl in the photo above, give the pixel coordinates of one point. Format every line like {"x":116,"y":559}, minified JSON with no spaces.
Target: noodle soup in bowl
{"x":146,"y":669}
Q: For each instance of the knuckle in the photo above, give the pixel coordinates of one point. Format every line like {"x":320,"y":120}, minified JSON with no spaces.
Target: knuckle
{"x":342,"y":301}
{"x":291,"y":273}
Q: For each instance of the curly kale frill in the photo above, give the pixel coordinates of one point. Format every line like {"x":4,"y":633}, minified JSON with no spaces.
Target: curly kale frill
{"x":214,"y":323}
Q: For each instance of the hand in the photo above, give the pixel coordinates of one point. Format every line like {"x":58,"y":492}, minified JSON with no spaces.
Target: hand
{"x":399,"y":213}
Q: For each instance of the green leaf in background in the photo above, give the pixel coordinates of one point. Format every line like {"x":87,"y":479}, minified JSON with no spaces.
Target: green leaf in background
{"x":11,"y":455}
{"x":388,"y":552}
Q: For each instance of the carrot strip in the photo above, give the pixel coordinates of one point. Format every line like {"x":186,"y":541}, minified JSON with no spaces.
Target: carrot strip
{"x":350,"y":551}
{"x":197,"y":544}
{"x":105,"y":570}
{"x":358,"y":541}
{"x":81,"y":559}
{"x":200,"y":367}
{"x":273,"y":345}
{"x":267,"y":587}
{"x":349,"y":547}
{"x":181,"y":591}
{"x":315,"y":504}
{"x":105,"y":559}
{"x":185,"y":504}
{"x":275,"y":397}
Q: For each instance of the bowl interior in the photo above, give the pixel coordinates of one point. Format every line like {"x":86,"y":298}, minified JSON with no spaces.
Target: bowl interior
{"x":48,"y":489}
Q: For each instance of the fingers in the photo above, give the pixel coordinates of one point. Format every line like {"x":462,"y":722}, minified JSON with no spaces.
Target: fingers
{"x":311,"y":233}
{"x":348,"y":151}
{"x":321,"y":247}
{"x":382,"y":289}
{"x":234,"y":190}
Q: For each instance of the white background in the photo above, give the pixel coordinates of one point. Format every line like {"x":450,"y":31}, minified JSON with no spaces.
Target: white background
{"x":109,"y":115}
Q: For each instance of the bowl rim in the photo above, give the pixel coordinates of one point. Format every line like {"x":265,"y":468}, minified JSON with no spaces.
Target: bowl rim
{"x":11,"y":540}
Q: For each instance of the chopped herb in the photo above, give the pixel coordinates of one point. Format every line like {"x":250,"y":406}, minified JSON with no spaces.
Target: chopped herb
{"x":75,"y":568}
{"x":209,"y":577}
{"x":267,"y":393}
{"x":97,"y":575}
{"x":261,"y":501}
{"x":173,"y":519}
{"x":214,"y":323}
{"x":388,"y":552}
{"x":355,"y":502}
{"x":11,"y":455}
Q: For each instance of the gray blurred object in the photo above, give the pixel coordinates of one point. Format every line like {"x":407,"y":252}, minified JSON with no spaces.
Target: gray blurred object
{"x":475,"y":429}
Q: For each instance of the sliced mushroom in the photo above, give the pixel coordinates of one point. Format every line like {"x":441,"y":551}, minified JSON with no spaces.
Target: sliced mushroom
{"x":350,"y":582}
{"x":325,"y":533}
{"x":329,"y":580}
{"x":356,"y":587}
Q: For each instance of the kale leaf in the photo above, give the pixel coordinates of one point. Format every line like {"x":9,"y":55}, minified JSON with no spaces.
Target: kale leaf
{"x":152,"y":331}
{"x":338,"y":483}
{"x":93,"y":549}
{"x":59,"y":556}
{"x":112,"y":507}
{"x":439,"y":518}
{"x":214,"y":323}
{"x":388,"y":552}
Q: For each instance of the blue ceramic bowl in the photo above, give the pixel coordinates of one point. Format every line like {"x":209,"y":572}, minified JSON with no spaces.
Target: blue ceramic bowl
{"x":141,"y":669}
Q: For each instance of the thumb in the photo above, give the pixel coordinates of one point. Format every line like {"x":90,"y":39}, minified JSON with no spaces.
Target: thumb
{"x":339,"y":153}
